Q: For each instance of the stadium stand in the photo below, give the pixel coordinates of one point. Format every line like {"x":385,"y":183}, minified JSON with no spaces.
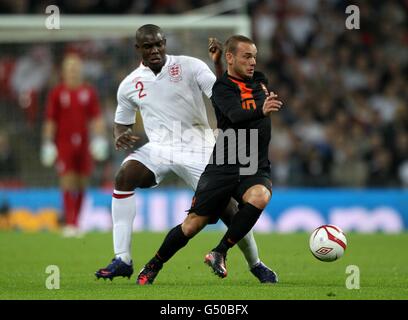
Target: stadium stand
{"x":345,"y":121}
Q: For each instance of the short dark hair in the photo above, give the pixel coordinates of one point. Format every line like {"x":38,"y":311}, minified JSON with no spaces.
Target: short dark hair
{"x":232,"y":43}
{"x":147,"y":29}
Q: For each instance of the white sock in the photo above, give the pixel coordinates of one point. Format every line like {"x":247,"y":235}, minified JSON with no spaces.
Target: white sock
{"x":123,"y":214}
{"x":248,"y":247}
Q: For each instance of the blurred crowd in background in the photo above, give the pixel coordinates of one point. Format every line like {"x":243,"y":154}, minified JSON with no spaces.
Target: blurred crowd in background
{"x":345,"y":119}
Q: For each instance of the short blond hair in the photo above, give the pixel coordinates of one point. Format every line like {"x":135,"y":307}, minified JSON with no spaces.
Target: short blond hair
{"x":232,"y":43}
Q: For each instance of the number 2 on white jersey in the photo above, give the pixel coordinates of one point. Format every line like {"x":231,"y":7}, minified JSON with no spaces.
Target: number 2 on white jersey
{"x":139,"y":85}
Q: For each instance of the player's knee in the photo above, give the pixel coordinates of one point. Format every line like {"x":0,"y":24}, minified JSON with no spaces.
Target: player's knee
{"x":260,"y":202}
{"x":123,"y":181}
{"x":259,"y":197}
{"x":192,"y":225}
{"x":190,"y":229}
{"x":70,"y":182}
{"x":133,"y":175}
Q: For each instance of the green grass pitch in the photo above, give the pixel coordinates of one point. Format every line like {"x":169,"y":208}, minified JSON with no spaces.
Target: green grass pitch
{"x":382,"y":261}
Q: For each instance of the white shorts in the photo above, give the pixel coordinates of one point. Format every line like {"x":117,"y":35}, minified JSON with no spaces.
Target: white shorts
{"x":185,"y":161}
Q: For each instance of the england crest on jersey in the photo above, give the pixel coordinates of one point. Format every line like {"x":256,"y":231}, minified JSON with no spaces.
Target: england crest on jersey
{"x":175,"y":72}
{"x":84,"y":97}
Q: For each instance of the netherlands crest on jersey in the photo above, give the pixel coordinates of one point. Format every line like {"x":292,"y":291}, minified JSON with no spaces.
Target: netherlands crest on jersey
{"x":175,"y":72}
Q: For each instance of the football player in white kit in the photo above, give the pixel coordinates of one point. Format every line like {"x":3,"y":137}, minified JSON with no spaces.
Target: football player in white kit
{"x":168,"y":91}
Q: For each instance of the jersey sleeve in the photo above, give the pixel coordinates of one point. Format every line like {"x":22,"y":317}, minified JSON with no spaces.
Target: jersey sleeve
{"x":204,"y":76}
{"x":228,"y":101}
{"x":51,"y":108}
{"x":126,"y":110}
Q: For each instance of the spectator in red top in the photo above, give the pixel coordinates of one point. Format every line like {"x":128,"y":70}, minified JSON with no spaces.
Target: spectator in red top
{"x":30,"y":75}
{"x":72,"y":110}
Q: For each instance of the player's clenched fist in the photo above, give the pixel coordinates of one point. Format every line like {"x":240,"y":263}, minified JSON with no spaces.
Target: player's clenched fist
{"x":125,"y":140}
{"x":214,"y":49}
{"x":271,"y":104}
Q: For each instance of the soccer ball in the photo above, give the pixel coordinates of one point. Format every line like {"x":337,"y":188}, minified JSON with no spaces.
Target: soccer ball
{"x":328,"y":243}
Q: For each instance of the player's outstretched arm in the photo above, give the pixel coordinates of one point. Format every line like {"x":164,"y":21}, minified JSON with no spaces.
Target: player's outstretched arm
{"x":215,"y":53}
{"x":124,"y":137}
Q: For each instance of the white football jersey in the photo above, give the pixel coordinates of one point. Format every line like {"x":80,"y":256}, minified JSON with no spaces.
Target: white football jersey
{"x":171,"y":102}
